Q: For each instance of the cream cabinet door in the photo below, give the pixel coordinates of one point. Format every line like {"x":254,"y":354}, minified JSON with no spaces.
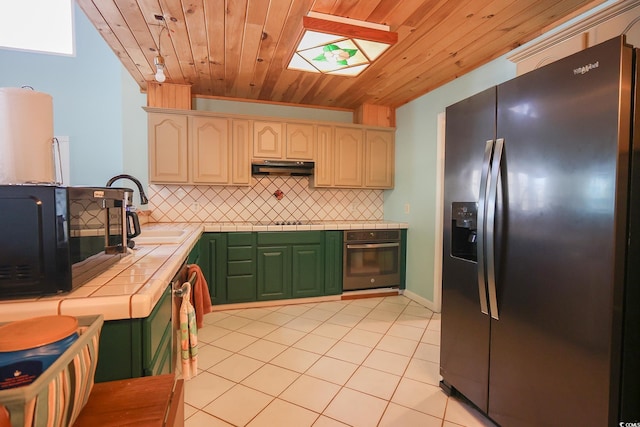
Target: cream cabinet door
{"x":241,"y":152}
{"x":379,"y":161}
{"x":267,"y":140}
{"x":324,"y":160}
{"x":168,"y":148}
{"x":300,"y":141}
{"x":348,"y":157}
{"x":209,"y":139}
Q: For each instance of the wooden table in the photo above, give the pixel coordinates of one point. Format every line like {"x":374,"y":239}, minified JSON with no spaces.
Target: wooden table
{"x":142,"y":402}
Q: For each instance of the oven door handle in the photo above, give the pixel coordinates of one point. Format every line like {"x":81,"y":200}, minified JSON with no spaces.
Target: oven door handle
{"x":374,"y":245}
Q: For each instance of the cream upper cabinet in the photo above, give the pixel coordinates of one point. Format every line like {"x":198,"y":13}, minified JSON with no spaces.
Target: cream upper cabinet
{"x":267,"y":140}
{"x":300,"y":141}
{"x":348,"y":157}
{"x":209,"y":142}
{"x":323,"y":171}
{"x":168,"y":148}
{"x":379,"y":159}
{"x":241,"y":152}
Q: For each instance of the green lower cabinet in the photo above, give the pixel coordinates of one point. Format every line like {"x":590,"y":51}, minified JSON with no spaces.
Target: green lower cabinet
{"x":261,"y":266}
{"x":274,"y":273}
{"x":307,"y":272}
{"x":131,"y":348}
{"x":333,"y":262}
{"x":213,"y":263}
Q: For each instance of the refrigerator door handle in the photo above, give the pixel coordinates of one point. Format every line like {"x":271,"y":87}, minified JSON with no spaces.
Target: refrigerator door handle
{"x":490,"y":226}
{"x":482,"y":208}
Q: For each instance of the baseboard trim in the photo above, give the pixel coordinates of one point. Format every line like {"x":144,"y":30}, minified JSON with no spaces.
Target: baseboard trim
{"x":421,"y":300}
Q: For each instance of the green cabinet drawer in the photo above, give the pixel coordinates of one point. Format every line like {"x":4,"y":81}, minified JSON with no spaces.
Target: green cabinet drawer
{"x":289,"y":237}
{"x":240,"y":253}
{"x":241,"y":239}
{"x":239,"y":268}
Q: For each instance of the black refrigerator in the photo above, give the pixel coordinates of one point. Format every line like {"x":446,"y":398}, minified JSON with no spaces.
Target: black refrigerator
{"x":541,"y":265}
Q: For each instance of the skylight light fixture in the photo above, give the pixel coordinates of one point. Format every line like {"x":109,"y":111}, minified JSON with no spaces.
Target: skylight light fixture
{"x":339,"y":46}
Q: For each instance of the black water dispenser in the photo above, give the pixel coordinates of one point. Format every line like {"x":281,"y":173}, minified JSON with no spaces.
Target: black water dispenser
{"x":464,"y":230}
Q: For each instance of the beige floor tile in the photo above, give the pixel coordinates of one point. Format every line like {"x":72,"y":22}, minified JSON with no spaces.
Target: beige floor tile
{"x":374,"y":382}
{"x":356,"y":310}
{"x":293,"y":310}
{"x":434,"y":323}
{"x":431,"y":337}
{"x":363,"y":337}
{"x":462,"y":414}
{"x":315,"y":343}
{"x":397,"y":345}
{"x":209,"y":355}
{"x":328,"y":422}
{"x":215,"y":316}
{"x":397,"y":299}
{"x":420,"y":396}
{"x":311,"y":393}
{"x":295,"y":359}
{"x":332,"y":370}
{"x":428,"y":352}
{"x":396,"y":416}
{"x":347,"y":320}
{"x":233,"y":322}
{"x":283,"y":414}
{"x":334,"y":306}
{"x":390,"y":307}
{"x":422,"y":370}
{"x":387,"y":362}
{"x":374,"y":325}
{"x":258,"y":329}
{"x":405,"y":331}
{"x":271,"y":379}
{"x":381,"y":314}
{"x":303,"y":324}
{"x":349,"y":352}
{"x":234,"y":341}
{"x":318,"y":314}
{"x":367,"y":302}
{"x":189,"y":410}
{"x":252,"y":313}
{"x":210,"y":333}
{"x":277,"y":318}
{"x":236,"y":367}
{"x":331,"y":330}
{"x":416,"y":310}
{"x":263,"y":350}
{"x":238,"y":405}
{"x":202,"y":419}
{"x":415,"y":321}
{"x":284,"y":336}
{"x":204,"y":388}
{"x":355,"y":408}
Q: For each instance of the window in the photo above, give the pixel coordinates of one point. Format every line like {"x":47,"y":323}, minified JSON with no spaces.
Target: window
{"x":37,"y":25}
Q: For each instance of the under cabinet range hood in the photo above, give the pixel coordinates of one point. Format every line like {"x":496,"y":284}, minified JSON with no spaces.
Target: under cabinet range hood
{"x":282,"y":168}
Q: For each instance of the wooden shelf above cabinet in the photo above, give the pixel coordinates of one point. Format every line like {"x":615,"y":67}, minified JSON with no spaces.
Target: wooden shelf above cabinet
{"x":169,"y":95}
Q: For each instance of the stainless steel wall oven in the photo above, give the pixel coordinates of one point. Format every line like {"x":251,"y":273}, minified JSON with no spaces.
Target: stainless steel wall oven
{"x":371,"y":259}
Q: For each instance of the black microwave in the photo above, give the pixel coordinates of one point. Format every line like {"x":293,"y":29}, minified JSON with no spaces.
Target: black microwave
{"x":53,"y":239}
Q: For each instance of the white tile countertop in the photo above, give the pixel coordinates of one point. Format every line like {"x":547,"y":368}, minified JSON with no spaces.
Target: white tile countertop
{"x":132,"y":287}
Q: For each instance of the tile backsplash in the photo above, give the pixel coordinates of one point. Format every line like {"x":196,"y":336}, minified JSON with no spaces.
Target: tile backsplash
{"x":198,"y":203}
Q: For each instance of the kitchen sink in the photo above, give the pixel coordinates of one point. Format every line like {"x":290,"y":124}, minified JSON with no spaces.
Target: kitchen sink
{"x":156,"y":237}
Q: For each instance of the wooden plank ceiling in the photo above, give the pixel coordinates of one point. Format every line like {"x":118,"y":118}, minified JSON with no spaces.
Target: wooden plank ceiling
{"x":239,"y":49}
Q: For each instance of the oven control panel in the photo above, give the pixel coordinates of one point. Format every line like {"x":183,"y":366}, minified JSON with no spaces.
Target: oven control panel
{"x":371,"y":235}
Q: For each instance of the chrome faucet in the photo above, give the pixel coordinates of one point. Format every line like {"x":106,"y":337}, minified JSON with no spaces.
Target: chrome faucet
{"x":143,"y":197}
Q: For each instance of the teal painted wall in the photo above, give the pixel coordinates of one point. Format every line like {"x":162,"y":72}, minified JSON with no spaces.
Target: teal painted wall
{"x":416,"y":138}
{"x":87,"y":99}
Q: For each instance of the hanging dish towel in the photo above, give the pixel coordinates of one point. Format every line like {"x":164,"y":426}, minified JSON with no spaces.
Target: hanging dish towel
{"x":188,"y":336}
{"x":200,"y":298}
